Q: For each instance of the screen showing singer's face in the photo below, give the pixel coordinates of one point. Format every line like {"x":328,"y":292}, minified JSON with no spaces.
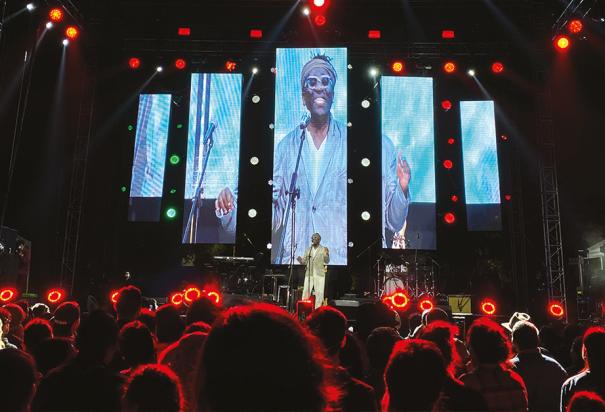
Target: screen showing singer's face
{"x":310,"y":82}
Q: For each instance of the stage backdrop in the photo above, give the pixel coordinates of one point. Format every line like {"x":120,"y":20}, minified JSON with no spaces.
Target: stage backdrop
{"x":408,"y":141}
{"x":214,"y":140}
{"x":480,"y":159}
{"x":313,"y":82}
{"x":149,"y":159}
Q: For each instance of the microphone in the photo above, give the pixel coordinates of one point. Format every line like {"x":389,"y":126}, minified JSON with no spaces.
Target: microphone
{"x":209,"y":131}
{"x":304,"y":121}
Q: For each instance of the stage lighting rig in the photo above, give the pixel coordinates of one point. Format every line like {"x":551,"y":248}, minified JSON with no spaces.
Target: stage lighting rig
{"x":562,"y":43}
{"x":72,"y":33}
{"x":449,"y":67}
{"x":497,"y":67}
{"x":55,"y":15}
{"x":134,"y":63}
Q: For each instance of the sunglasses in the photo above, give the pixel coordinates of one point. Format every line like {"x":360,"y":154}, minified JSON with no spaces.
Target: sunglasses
{"x":312,"y":82}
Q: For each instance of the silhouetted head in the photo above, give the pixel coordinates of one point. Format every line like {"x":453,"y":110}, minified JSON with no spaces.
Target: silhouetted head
{"x":66,"y":319}
{"x":329,"y":325}
{"x":136,"y":344}
{"x":169,"y":324}
{"x":53,"y":352}
{"x":153,"y":388}
{"x":488,"y":342}
{"x":17,"y":380}
{"x":594,"y":349}
{"x":585,"y":401}
{"x":36,"y":331}
{"x":236,"y":370}
{"x":97,"y":336}
{"x":129,"y":303}
{"x":525,"y":336}
{"x":414,"y":376}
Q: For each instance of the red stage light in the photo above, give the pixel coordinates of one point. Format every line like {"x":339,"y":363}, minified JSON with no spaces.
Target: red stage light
{"x":374,"y":34}
{"x":508,"y":197}
{"x":451,"y":140}
{"x":319,"y":3}
{"x":184,"y":31}
{"x":192,"y":293}
{"x":216,"y":296}
{"x":504,"y":137}
{"x":488,"y":307}
{"x":497,"y":67}
{"x":562,"y":43}
{"x":556,"y":309}
{"x":425,"y":304}
{"x":180,"y":64}
{"x":400,"y":300}
{"x":575,"y":26}
{"x":176,"y":298}
{"x":55,"y":295}
{"x":449,"y":218}
{"x":397,"y":66}
{"x":113,"y":296}
{"x":448,"y":164}
{"x":256,"y":34}
{"x":454,"y":198}
{"x":72,"y":33}
{"x":230,"y":65}
{"x":320,"y":20}
{"x":55,"y":15}
{"x":448,"y":34}
{"x":7,"y":294}
{"x":446,"y":105}
{"x":449,"y":67}
{"x":134,"y":63}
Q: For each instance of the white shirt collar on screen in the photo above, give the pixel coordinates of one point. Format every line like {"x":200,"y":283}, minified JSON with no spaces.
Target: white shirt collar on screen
{"x":316,"y":160}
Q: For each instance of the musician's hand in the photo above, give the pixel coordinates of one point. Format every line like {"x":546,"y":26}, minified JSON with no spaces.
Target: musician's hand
{"x":326,"y":252}
{"x":224,"y":201}
{"x":300,"y":260}
{"x":403,"y":173}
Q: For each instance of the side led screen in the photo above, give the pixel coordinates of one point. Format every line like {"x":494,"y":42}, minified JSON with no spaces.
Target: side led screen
{"x":310,"y":153}
{"x":408,"y":163}
{"x":480,"y":160}
{"x":149,"y":159}
{"x":213,"y":146}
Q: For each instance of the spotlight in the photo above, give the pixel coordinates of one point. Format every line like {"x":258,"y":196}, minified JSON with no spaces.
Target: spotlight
{"x":269,"y":246}
{"x":448,"y":34}
{"x":488,"y":307}
{"x":254,"y":70}
{"x":55,"y":15}
{"x":230,"y":65}
{"x":55,"y":296}
{"x":255,"y":98}
{"x":176,"y":298}
{"x":72,"y":32}
{"x":171,"y":213}
{"x":449,"y":67}
{"x":174,"y":159}
{"x":7,"y":294}
{"x":49,"y":25}
{"x":471,"y":72}
{"x":306,"y":11}
{"x":350,"y":244}
{"x":497,"y":67}
{"x":365,"y":162}
{"x":448,"y":164}
{"x":134,"y":63}
{"x":446,"y":105}
{"x":365,"y":215}
{"x":365,"y":103}
{"x":254,"y":160}
{"x":184,"y":31}
{"x":425,"y":303}
{"x":449,"y":218}
{"x":30,"y":6}
{"x":159,"y":69}
{"x":451,"y":141}
{"x":373,"y":71}
{"x":397,"y":66}
{"x":113,"y":296}
{"x":562,"y":43}
{"x":400,"y":300}
{"x":575,"y":26}
{"x":180,"y":64}
{"x":319,"y":3}
{"x":504,"y":137}
{"x":507,"y":197}
{"x":556,"y":309}
{"x":65,"y":42}
{"x":454,"y":198}
{"x":320,"y":20}
{"x":256,"y":34}
{"x":214,"y":295}
{"x":191,"y":294}
{"x":374,"y":34}
{"x":252,"y":213}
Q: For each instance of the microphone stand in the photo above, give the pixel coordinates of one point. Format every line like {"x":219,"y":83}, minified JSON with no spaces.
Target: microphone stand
{"x":196,"y":203}
{"x":293,"y":195}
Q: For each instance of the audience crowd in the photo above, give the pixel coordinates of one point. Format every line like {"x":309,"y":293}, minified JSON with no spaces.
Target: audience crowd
{"x":258,"y":357}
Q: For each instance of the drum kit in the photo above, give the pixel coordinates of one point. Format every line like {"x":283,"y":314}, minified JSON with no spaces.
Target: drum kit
{"x":416,"y":278}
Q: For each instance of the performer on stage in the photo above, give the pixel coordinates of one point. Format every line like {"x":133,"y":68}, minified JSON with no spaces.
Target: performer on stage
{"x":316,"y":260}
{"x":396,"y":177}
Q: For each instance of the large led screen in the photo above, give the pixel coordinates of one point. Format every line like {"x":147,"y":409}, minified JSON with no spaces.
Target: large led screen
{"x":213,"y":143}
{"x":480,"y":160}
{"x":310,"y":84}
{"x":149,"y":159}
{"x":408,"y":163}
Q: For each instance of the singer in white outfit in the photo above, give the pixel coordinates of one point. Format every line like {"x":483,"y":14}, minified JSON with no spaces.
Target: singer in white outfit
{"x":316,"y":260}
